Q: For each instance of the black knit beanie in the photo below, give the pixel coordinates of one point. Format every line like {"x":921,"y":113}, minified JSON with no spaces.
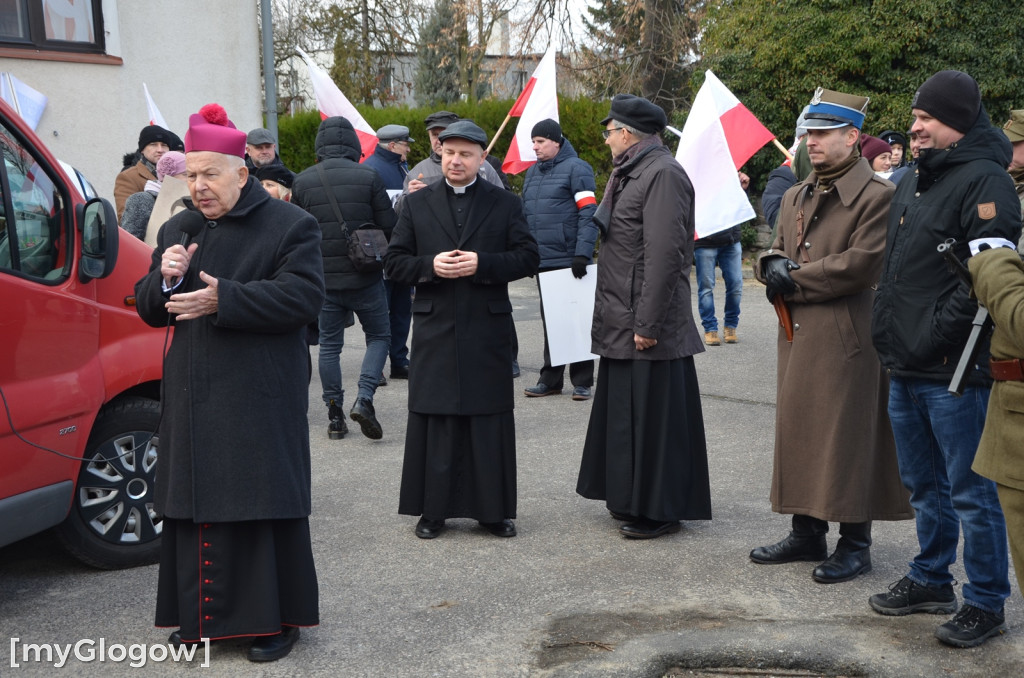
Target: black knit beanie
{"x":953,"y":97}
{"x":153,"y":133}
{"x":549,"y":129}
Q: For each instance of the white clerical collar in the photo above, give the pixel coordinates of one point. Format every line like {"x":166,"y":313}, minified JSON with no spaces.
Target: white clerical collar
{"x":459,"y":189}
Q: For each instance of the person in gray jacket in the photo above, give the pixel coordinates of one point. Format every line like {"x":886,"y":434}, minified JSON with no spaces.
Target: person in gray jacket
{"x":559,"y":203}
{"x":645,"y":453}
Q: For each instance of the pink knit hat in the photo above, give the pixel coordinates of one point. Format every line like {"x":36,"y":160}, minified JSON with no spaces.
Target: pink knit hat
{"x":170,"y":163}
{"x":210,"y":130}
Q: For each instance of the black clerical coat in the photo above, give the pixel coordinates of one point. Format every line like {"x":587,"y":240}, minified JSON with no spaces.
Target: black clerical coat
{"x":462,"y":328}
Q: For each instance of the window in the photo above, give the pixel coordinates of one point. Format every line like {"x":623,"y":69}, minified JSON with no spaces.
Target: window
{"x":54,"y":25}
{"x":31,"y":214}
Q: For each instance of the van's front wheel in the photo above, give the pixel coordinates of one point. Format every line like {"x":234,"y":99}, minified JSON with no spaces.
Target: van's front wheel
{"x":112,"y":523}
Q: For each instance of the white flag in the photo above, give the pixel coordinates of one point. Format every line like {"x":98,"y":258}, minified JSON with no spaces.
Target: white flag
{"x":154,"y":113}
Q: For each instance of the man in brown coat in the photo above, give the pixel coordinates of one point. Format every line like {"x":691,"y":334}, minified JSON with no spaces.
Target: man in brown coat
{"x":835,"y":459}
{"x":154,"y":141}
{"x":645,"y":454}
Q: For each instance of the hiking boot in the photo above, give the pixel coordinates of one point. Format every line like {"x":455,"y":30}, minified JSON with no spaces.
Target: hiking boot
{"x":971,"y":627}
{"x":908,"y":597}
{"x":362,"y":413}
{"x":730,"y":335}
{"x":337,"y":428}
{"x":711,"y":339}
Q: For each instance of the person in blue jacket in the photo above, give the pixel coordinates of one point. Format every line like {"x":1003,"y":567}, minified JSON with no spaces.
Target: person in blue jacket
{"x":559,"y":203}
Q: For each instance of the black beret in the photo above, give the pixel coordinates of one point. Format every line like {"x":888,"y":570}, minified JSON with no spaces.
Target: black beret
{"x":638,"y":113}
{"x":465,"y":129}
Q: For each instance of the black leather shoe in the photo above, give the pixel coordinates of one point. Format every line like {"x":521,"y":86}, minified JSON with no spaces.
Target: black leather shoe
{"x":428,"y":529}
{"x":504,"y":528}
{"x":843,"y":565}
{"x":852,"y":556}
{"x":272,"y":648}
{"x":383,"y":381}
{"x":175,"y":641}
{"x":791,"y":549}
{"x":622,"y":516}
{"x":642,"y":528}
{"x":399,"y":372}
{"x":362,"y":413}
{"x":541,"y":390}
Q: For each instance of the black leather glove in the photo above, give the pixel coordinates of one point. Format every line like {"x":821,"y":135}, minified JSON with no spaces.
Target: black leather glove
{"x":579,"y":266}
{"x":776,"y":274}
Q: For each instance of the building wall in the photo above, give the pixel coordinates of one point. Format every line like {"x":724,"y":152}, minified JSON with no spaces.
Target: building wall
{"x":187,"y":53}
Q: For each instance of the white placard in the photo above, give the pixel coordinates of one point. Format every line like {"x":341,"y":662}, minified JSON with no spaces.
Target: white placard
{"x":568,"y":313}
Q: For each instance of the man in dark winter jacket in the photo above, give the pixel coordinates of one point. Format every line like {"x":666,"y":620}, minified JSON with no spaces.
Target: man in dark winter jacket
{"x":261,"y":150}
{"x":389,"y":159}
{"x":921,"y":321}
{"x":559,"y":203}
{"x":359,"y":198}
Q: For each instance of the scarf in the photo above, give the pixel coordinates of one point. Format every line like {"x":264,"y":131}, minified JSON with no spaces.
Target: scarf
{"x":623,"y":164}
{"x":828,"y":177}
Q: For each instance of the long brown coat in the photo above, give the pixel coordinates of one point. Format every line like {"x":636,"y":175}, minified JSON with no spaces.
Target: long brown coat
{"x":835,"y":458}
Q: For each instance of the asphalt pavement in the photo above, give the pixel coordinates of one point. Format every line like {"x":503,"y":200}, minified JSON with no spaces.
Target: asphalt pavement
{"x":567,"y":597}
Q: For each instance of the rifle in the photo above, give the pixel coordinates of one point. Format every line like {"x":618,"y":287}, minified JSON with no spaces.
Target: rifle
{"x":981,"y":326}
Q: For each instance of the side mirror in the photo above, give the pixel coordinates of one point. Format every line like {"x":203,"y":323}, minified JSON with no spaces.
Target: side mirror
{"x":98,"y":225}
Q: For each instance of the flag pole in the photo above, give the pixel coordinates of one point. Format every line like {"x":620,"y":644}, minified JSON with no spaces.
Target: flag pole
{"x":785,"y":151}
{"x":498,"y":133}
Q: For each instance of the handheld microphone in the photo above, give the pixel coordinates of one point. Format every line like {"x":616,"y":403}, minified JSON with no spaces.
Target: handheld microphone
{"x":190,"y":226}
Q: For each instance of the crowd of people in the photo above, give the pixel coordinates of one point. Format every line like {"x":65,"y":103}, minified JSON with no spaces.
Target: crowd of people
{"x":252,"y":264}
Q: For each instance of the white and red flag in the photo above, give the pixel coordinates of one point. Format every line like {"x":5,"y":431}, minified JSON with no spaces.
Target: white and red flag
{"x":720,"y":135}
{"x":330,"y":101}
{"x":154,"y":113}
{"x":538,"y":101}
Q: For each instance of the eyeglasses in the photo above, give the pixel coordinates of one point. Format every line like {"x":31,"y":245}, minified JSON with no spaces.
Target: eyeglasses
{"x":608,"y":132}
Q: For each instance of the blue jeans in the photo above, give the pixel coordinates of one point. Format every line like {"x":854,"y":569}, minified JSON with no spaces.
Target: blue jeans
{"x":937,"y":436}
{"x":371,"y":307}
{"x":729,"y":259}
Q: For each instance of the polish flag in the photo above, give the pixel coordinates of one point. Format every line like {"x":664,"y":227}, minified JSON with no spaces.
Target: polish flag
{"x":154,"y":113}
{"x":720,"y":135}
{"x":539,"y":101}
{"x":331,"y":102}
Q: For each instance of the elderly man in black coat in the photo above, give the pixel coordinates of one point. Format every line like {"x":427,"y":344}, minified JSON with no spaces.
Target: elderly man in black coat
{"x":239,"y":275}
{"x":461,"y":241}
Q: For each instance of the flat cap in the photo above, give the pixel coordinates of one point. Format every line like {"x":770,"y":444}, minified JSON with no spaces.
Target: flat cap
{"x":638,"y":113}
{"x":465,"y":129}
{"x":260,"y":136}
{"x":829,"y":109}
{"x":1014,"y":127}
{"x":440,"y":119}
{"x":394,"y":133}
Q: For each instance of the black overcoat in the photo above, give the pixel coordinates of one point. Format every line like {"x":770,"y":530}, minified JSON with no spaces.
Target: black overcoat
{"x":234,"y":439}
{"x":462,"y":328}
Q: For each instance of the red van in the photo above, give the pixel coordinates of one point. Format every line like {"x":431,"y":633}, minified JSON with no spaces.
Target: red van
{"x":79,"y":371}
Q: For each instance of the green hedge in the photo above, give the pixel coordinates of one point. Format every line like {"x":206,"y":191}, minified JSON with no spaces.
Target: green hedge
{"x":580,"y":120}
